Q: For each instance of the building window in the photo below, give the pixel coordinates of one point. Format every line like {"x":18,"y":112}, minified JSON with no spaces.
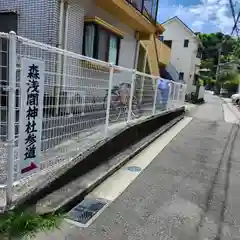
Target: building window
{"x":199,"y":52}
{"x":161,"y":38}
{"x":89,"y":40}
{"x":195,"y":80}
{"x":113,"y":49}
{"x":101,"y":43}
{"x":168,"y":43}
{"x":181,"y":76}
{"x":186,"y":43}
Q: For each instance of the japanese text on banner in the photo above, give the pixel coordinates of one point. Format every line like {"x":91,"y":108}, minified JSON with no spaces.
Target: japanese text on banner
{"x":32,"y":89}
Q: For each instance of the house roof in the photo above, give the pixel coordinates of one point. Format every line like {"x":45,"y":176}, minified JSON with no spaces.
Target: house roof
{"x":185,"y":25}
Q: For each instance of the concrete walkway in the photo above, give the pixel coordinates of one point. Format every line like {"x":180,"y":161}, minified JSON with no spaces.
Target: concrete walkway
{"x":187,"y":184}
{"x":231,"y":112}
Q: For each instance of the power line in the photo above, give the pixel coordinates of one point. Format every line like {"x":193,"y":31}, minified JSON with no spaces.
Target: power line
{"x":235,"y":27}
{"x":235,"y":24}
{"x":233,"y":11}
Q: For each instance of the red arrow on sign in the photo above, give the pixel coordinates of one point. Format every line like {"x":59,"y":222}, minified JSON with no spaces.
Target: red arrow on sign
{"x":29,"y":168}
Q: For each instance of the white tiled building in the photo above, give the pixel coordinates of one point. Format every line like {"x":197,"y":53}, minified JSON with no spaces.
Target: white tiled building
{"x":98,"y":29}
{"x":39,"y":20}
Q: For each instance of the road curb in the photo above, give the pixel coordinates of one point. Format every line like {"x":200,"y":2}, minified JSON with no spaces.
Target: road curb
{"x":235,"y":110}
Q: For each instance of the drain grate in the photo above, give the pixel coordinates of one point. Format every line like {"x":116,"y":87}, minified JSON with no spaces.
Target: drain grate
{"x":86,"y":210}
{"x":134,"y":169}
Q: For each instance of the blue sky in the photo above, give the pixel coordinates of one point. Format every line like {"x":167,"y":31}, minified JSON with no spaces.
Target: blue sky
{"x":200,"y":15}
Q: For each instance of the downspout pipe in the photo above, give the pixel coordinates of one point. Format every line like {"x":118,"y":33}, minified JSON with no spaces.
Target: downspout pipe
{"x":65,"y":82}
{"x":61,"y":24}
{"x":59,"y":57}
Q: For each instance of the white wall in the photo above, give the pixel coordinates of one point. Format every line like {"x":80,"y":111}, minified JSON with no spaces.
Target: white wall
{"x":78,"y":10}
{"x":94,"y":82}
{"x":201,"y":92}
{"x":183,"y":59}
{"x":39,"y":20}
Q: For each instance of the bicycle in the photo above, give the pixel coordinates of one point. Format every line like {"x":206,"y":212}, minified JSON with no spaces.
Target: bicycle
{"x":119,"y":102}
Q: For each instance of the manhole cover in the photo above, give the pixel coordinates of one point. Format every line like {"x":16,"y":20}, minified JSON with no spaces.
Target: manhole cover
{"x":134,"y":169}
{"x":84,"y":211}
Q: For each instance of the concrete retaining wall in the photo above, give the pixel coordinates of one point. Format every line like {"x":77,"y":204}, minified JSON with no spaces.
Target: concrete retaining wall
{"x":103,"y":153}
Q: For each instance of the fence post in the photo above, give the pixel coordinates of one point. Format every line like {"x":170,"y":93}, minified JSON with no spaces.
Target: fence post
{"x":129,"y":118}
{"x":109,"y":98}
{"x":142,"y":88}
{"x":178,"y":96}
{"x":174,"y":93}
{"x":169,"y":102}
{"x":11,"y":113}
{"x":155,"y":97}
{"x":184,"y":92}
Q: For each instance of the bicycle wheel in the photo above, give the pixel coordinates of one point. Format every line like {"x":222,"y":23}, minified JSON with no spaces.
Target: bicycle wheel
{"x":114,"y":100}
{"x":114,"y":113}
{"x":135,"y":108}
{"x":105,"y":102}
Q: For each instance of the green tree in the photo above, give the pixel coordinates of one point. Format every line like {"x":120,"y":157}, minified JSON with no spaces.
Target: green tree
{"x":212,"y":43}
{"x":226,"y":76}
{"x":229,"y":79}
{"x":236,"y":50}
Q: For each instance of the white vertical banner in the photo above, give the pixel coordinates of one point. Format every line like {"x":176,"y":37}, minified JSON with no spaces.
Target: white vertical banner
{"x":32,"y":91}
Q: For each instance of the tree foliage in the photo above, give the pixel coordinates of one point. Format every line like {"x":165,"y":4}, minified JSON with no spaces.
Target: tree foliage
{"x":236,"y":50}
{"x":212,"y":43}
{"x":228,"y":76}
{"x":230,"y":56}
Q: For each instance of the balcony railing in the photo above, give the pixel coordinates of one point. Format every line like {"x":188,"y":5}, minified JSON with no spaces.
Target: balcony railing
{"x":149,"y":8}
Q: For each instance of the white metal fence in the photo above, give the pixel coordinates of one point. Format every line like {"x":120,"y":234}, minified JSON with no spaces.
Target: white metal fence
{"x":84,"y":100}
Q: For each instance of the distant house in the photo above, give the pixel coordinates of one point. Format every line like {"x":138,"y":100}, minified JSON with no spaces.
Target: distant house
{"x":186,"y":50}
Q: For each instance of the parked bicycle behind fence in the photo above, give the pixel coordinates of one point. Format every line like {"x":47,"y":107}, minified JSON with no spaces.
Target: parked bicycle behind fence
{"x":119,"y":102}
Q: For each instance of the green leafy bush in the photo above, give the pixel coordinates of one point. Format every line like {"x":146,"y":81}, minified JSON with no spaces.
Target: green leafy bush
{"x":201,"y":82}
{"x":15,"y":224}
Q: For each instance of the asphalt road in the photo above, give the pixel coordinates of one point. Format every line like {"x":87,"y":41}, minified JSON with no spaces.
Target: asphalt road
{"x":182,"y":193}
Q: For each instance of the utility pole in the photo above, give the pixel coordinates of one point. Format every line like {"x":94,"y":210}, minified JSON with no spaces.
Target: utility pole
{"x":219,"y":62}
{"x":239,"y":83}
{"x":238,"y":86}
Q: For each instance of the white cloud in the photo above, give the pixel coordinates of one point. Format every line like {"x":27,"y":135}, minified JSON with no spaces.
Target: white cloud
{"x":198,"y":25}
{"x":209,"y":15}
